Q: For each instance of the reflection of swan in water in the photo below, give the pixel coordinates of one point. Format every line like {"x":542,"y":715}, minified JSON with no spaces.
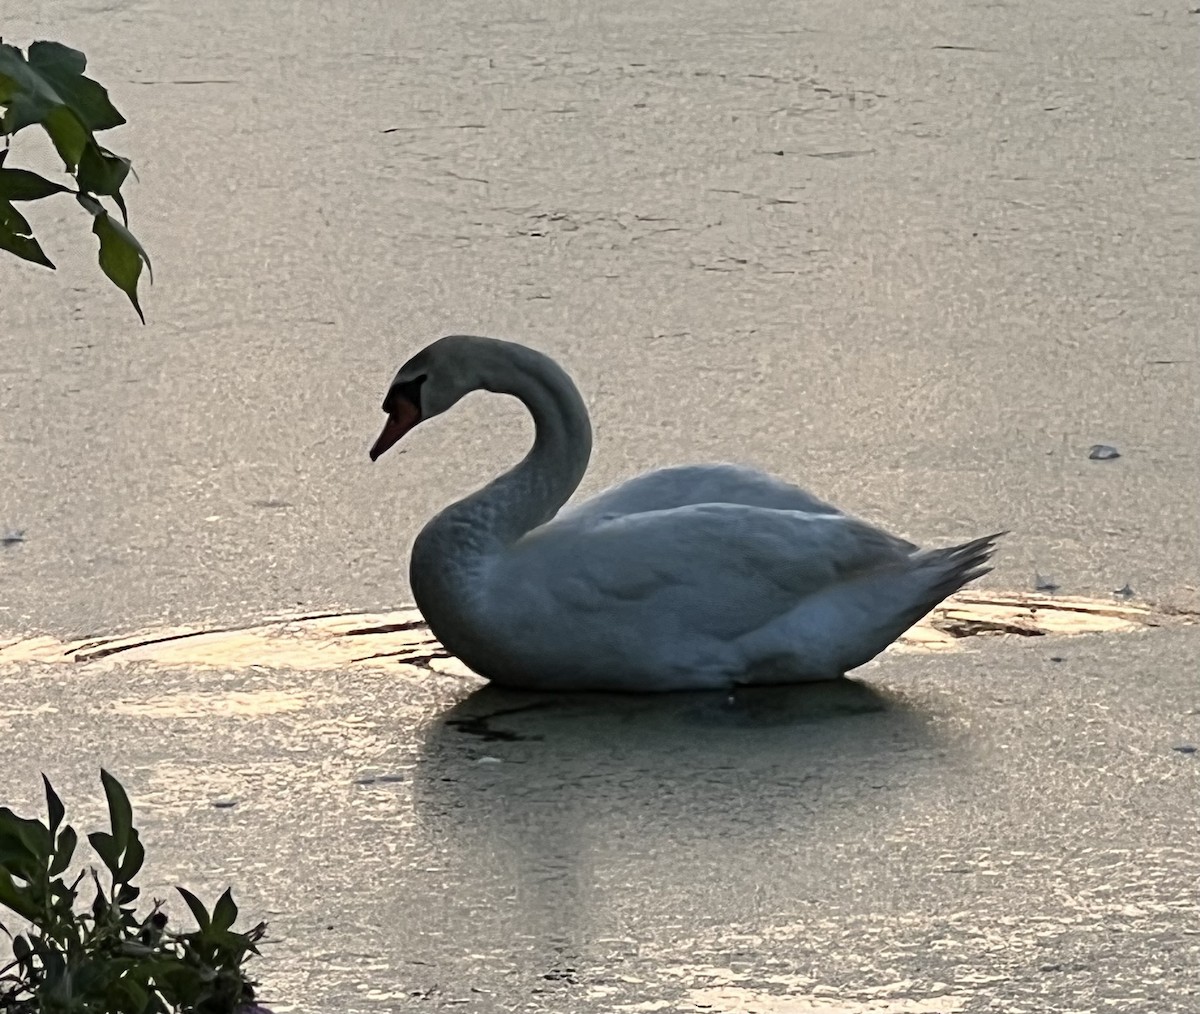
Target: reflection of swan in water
{"x":552,"y":800}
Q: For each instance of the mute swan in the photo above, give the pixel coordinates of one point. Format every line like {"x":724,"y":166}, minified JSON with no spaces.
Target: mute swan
{"x":695,"y":577}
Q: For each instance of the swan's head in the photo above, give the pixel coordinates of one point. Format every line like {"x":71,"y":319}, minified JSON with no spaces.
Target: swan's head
{"x":431,"y":382}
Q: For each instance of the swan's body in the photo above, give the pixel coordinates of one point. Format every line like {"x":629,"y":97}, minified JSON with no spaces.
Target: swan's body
{"x":704,"y":576}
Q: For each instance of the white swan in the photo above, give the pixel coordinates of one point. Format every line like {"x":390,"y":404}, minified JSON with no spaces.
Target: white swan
{"x":707,"y":576}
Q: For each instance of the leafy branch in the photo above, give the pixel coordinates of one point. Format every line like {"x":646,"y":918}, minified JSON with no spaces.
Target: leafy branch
{"x":48,"y":88}
{"x":106,"y":958}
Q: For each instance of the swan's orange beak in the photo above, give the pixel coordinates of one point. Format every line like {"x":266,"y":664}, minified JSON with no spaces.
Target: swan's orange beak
{"x":400,"y":420}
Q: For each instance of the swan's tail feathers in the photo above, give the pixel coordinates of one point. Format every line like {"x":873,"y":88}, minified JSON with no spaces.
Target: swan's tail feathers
{"x":957,"y":566}
{"x":891,"y":601}
{"x":851,"y":622}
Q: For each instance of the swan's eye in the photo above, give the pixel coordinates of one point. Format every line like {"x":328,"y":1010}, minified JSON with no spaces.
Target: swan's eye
{"x":409,"y":390}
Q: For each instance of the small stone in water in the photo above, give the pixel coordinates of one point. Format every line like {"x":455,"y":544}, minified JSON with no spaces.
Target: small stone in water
{"x":12,"y":536}
{"x":1185,"y":748}
{"x":224,"y":802}
{"x":1103,"y":452}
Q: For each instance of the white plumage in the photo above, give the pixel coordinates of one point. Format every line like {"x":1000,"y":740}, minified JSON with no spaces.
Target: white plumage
{"x":701,"y":576}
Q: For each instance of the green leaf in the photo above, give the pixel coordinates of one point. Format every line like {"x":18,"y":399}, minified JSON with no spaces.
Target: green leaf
{"x":25,"y":109}
{"x":225,"y":912}
{"x":121,"y":257}
{"x":54,"y":806}
{"x":64,"y":850}
{"x":119,"y":811}
{"x":49,"y":88}
{"x":28,"y":95}
{"x":135,"y":855}
{"x":22,"y":185}
{"x":100,"y":905}
{"x":17,"y":238}
{"x":68,"y":134}
{"x":106,"y":849}
{"x":24,"y":836}
{"x":62,"y":68}
{"x":18,"y":899}
{"x":179,"y":982}
{"x":199,"y":912}
{"x":126,"y":994}
{"x":119,"y":201}
{"x":57,"y":59}
{"x":100,"y":171}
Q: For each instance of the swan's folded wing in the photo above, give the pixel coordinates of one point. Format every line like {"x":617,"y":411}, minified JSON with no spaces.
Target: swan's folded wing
{"x":725,"y":564}
{"x":681,"y":485}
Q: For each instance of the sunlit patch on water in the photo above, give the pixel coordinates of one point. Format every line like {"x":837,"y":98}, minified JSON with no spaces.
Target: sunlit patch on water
{"x":735,"y":1000}
{"x":252,"y":704}
{"x":328,"y":642}
{"x":728,"y":991}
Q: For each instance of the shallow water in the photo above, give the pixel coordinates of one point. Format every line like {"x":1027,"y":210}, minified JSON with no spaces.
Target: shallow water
{"x":920,"y":258}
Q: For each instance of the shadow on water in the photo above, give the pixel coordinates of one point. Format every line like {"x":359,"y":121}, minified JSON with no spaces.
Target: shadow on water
{"x":555,"y":796}
{"x":495,"y":714}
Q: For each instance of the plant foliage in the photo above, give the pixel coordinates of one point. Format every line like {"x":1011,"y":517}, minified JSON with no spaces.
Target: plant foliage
{"x":47,"y":88}
{"x":105,"y":958}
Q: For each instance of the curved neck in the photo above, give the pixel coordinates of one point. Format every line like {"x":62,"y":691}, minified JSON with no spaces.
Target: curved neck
{"x":531,"y":492}
{"x":451,"y":555}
